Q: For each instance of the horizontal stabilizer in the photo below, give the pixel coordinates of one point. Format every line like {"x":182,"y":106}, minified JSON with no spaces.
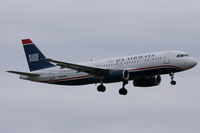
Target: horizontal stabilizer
{"x":24,"y":73}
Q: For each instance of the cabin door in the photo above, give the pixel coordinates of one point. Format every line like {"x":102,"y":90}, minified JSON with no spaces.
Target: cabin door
{"x":166,"y":58}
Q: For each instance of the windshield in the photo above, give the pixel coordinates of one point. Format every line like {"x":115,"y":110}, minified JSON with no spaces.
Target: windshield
{"x":182,"y":55}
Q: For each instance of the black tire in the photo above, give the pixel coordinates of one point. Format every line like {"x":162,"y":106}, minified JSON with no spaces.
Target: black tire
{"x":123,"y":91}
{"x":173,"y":82}
{"x":101,"y":88}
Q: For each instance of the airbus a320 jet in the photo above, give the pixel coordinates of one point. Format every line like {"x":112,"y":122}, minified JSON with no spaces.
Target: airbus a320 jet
{"x":143,"y":70}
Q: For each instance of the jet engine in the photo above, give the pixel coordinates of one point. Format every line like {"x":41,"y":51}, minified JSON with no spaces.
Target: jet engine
{"x":116,"y":76}
{"x":147,"y":81}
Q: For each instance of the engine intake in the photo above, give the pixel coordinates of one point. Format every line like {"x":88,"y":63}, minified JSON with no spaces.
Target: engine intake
{"x":147,"y":81}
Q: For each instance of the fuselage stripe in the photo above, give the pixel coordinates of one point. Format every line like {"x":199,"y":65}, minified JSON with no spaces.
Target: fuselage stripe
{"x":146,"y":68}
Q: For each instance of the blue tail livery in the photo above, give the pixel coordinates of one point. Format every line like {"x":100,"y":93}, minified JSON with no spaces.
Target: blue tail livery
{"x":34,"y":56}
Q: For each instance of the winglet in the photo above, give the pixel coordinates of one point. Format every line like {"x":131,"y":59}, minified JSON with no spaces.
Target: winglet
{"x":26,"y":41}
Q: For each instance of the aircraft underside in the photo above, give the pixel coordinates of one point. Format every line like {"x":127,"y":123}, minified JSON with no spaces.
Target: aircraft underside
{"x":132,"y":75}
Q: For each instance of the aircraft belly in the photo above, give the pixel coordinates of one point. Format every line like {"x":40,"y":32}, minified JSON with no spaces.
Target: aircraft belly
{"x":84,"y":79}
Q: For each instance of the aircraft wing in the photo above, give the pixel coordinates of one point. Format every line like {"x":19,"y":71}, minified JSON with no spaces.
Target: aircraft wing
{"x":98,"y":72}
{"x":24,"y":73}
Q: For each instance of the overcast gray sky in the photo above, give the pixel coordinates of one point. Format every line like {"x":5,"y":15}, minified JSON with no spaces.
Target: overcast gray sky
{"x":75,"y":31}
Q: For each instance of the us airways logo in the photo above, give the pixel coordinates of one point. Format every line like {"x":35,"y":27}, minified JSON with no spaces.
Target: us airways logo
{"x":33,"y":57}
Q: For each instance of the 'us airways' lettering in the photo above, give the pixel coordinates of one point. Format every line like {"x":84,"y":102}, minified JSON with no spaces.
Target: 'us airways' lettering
{"x":135,"y":57}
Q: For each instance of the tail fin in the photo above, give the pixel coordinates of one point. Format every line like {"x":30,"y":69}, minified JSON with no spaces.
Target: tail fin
{"x":34,"y":57}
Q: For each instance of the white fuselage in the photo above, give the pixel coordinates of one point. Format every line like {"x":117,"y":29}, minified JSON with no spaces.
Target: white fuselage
{"x":156,"y":63}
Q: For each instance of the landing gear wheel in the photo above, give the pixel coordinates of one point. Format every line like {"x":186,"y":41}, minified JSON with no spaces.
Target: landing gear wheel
{"x":173,"y":82}
{"x":172,"y":78}
{"x":101,"y":88}
{"x":123,"y":91}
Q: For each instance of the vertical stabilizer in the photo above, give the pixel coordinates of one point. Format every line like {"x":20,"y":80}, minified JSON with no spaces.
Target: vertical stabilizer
{"x":34,"y":57}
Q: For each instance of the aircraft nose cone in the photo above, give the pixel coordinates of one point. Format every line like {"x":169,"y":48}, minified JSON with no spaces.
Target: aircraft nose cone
{"x":193,"y":63}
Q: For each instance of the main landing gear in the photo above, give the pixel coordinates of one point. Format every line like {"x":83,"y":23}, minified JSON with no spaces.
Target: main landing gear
{"x":101,"y":88}
{"x":122,"y":91}
{"x":173,"y":82}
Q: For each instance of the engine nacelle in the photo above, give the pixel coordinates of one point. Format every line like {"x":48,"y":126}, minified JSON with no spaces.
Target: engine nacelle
{"x":147,"y":81}
{"x":116,"y":76}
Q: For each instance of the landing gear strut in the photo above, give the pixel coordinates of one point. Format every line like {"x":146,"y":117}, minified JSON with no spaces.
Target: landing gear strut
{"x":173,"y":82}
{"x":123,"y":91}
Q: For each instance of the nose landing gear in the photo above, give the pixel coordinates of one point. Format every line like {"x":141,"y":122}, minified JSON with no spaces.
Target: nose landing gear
{"x":173,"y":82}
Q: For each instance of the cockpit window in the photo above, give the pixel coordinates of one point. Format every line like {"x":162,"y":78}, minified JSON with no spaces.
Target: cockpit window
{"x":182,"y":55}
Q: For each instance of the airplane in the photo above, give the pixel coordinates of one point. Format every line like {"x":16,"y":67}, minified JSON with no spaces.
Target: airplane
{"x":144,"y":70}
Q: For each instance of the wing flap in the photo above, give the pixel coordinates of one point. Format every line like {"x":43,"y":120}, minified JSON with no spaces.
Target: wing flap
{"x":24,"y":73}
